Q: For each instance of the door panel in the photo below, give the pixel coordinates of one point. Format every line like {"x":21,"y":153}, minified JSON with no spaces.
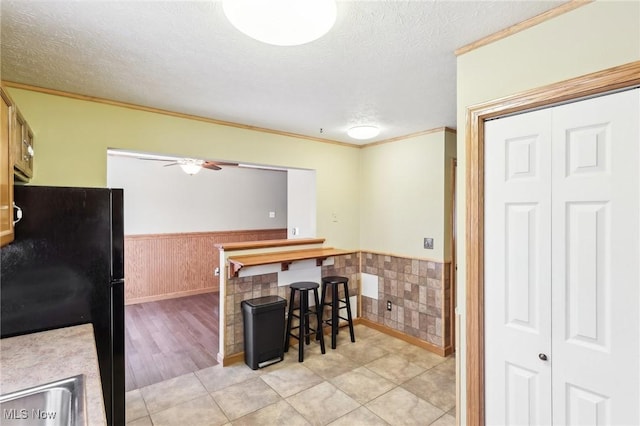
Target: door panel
{"x":522,"y":387}
{"x":586,"y":408}
{"x":517,"y":270}
{"x":521,"y":310}
{"x":587,"y":283}
{"x":595,"y":211}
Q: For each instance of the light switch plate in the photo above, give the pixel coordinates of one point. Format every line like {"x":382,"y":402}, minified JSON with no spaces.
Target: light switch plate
{"x":428,"y":243}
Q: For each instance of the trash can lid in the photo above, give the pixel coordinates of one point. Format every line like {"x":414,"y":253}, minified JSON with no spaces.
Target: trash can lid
{"x":265,"y":301}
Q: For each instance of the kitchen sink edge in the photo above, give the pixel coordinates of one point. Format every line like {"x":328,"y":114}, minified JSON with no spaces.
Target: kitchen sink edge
{"x":58,"y":403}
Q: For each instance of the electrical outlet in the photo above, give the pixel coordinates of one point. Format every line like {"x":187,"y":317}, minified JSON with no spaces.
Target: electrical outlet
{"x":428,"y":243}
{"x":272,"y":215}
{"x":388,"y":305}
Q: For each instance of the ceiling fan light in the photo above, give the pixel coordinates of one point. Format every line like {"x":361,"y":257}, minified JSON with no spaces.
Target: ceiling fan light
{"x":281,"y":22}
{"x":190,"y":168}
{"x":363,"y":132}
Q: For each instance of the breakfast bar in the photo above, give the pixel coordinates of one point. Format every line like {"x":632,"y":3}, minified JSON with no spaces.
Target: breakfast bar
{"x":256,"y":269}
{"x":285,"y":258}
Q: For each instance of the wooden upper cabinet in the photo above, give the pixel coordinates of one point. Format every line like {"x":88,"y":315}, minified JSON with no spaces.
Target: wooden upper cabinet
{"x":6,"y":169}
{"x":22,"y":148}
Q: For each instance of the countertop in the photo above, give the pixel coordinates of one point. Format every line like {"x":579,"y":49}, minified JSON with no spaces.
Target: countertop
{"x":244,"y":245}
{"x":283,"y":257}
{"x":39,"y":358}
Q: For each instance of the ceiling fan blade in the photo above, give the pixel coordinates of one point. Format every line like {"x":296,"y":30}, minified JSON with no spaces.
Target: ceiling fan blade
{"x":153,"y":159}
{"x":222,"y":163}
{"x":211,"y":165}
{"x":171,"y":164}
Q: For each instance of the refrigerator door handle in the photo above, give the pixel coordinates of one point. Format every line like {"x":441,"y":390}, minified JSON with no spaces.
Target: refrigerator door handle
{"x":117,"y":233}
{"x":18,"y":213}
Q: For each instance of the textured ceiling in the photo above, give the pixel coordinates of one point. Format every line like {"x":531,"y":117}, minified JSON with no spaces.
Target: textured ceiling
{"x":389,"y":63}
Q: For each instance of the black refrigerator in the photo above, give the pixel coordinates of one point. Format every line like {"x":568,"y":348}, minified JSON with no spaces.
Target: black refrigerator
{"x":65,"y":268}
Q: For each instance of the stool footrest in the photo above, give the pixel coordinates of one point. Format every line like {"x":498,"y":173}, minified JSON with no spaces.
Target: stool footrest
{"x":310,"y":312}
{"x":311,"y":330}
{"x":328,"y":320}
{"x":343,"y":301}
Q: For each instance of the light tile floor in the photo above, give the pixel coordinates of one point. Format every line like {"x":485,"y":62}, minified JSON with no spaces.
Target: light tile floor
{"x":378,"y":380}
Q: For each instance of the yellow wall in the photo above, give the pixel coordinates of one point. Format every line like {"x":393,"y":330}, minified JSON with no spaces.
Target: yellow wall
{"x":72,"y":138}
{"x":401,"y":187}
{"x":403,"y":196}
{"x":594,"y":37}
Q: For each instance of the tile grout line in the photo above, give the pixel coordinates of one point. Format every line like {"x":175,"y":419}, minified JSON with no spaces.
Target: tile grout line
{"x":325,"y":380}
{"x":209,"y":394}
{"x":181,"y":402}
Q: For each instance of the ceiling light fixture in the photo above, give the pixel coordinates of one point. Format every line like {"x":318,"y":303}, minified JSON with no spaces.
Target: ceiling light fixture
{"x":191,"y":167}
{"x":282,"y":22}
{"x":363,"y":132}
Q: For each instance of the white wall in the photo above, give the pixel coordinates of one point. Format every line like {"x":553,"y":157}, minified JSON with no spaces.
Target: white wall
{"x":160,"y":199}
{"x":301,"y":209}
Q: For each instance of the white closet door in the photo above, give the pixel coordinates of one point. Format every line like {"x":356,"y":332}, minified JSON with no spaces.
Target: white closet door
{"x":517,"y":269}
{"x":595,"y":214}
{"x":562,"y":264}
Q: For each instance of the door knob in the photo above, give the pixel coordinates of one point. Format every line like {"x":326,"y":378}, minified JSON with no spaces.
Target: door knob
{"x":543,"y":357}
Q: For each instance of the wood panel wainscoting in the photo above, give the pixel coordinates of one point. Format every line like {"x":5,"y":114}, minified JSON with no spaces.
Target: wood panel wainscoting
{"x":165,"y":266}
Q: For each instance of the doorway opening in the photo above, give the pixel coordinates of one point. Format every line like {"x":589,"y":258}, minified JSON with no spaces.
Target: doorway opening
{"x":173,"y":220}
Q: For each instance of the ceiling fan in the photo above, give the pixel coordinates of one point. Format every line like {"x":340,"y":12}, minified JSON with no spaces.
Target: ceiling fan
{"x":191,"y":166}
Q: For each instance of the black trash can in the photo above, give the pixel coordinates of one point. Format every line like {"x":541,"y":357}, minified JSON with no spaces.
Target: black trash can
{"x":263,"y":330}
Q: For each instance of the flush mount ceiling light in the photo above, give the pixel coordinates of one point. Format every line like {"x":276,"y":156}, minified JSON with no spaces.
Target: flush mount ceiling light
{"x":363,"y":132}
{"x":281,"y":22}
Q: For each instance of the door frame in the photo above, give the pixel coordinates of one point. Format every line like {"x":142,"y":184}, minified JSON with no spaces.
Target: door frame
{"x":616,"y":78}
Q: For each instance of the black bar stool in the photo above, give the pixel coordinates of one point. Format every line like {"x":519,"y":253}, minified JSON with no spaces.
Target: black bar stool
{"x":334,"y":282}
{"x":303,"y":315}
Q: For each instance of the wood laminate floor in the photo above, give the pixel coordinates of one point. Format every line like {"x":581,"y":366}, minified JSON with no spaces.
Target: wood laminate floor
{"x":169,"y":338}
